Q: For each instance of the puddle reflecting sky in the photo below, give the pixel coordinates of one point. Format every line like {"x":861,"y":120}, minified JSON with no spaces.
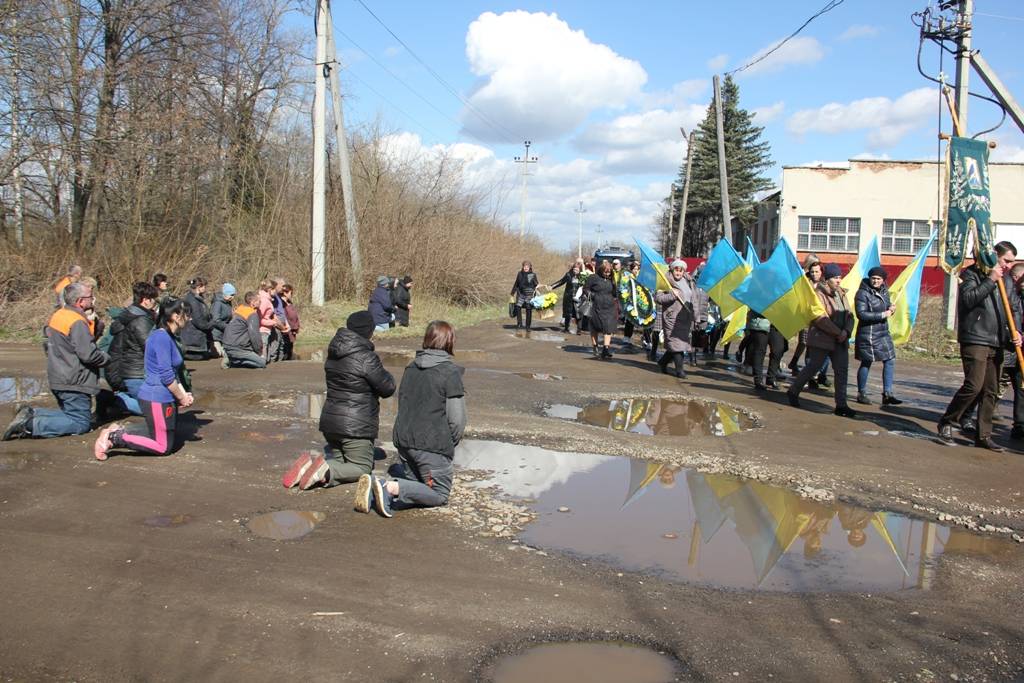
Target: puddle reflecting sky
{"x":537,"y":335}
{"x":713,"y":529}
{"x":13,"y":389}
{"x":285,"y":524}
{"x":658,"y":416}
{"x":590,"y":662}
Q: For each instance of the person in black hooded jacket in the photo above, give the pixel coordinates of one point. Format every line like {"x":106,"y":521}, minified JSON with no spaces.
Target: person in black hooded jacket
{"x":129,"y":332}
{"x":197,"y":335}
{"x":350,"y":419}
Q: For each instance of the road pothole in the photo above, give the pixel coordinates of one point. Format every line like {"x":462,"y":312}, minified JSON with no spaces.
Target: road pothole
{"x":596,"y":662}
{"x":658,"y":416}
{"x":285,"y":525}
{"x":717,"y":530}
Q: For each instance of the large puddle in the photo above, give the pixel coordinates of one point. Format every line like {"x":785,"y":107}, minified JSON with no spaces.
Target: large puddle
{"x":285,"y":525}
{"x":15,"y":389}
{"x":586,"y":662}
{"x":658,"y":416}
{"x":537,"y":335}
{"x":713,"y":529}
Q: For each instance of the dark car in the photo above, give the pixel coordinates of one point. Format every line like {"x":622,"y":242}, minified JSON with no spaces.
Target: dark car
{"x":609,"y":254}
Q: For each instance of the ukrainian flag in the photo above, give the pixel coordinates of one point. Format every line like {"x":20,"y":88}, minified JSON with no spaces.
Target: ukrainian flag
{"x":905,"y":293}
{"x":869,"y":258}
{"x":722,"y":273}
{"x":653,"y":271}
{"x":779,"y":290}
{"x":750,"y":258}
{"x":739,"y":316}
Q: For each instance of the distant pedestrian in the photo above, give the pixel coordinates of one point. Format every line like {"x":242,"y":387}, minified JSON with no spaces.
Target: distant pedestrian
{"x":430,"y":424}
{"x":220,"y":315}
{"x":243,"y":341}
{"x":874,"y":341}
{"x":291,"y":316}
{"x":401,"y":299}
{"x":129,"y":332}
{"x":380,"y":305}
{"x":603,"y":320}
{"x":677,"y":323}
{"x":74,"y":274}
{"x":573,"y":281}
{"x":524,"y":289}
{"x":197,"y":335}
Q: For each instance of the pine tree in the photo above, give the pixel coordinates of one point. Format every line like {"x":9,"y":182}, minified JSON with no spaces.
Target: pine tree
{"x":747,"y":157}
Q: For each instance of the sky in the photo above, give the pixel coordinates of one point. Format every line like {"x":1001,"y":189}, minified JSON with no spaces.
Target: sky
{"x":602,"y":88}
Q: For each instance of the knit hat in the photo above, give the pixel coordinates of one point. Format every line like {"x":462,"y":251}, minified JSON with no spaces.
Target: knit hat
{"x":361,"y":322}
{"x":878,"y":271}
{"x":383,"y":280}
{"x":831,"y":270}
{"x":678,"y":263}
{"x":228,"y":289}
{"x":407,"y":280}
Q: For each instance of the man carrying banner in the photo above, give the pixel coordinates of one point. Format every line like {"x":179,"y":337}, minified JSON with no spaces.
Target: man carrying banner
{"x":983,"y":332}
{"x":828,"y":337}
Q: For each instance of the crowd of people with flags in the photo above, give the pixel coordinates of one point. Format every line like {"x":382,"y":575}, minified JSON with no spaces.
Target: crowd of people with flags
{"x":734,"y":297}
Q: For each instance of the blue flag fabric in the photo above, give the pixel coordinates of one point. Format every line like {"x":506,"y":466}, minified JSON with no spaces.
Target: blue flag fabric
{"x":652,"y":268}
{"x":724,"y":271}
{"x":779,"y":291}
{"x":751,"y":256}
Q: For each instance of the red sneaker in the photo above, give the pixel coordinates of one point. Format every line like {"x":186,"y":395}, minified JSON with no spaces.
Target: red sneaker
{"x":298,"y":468}
{"x":316,"y":474}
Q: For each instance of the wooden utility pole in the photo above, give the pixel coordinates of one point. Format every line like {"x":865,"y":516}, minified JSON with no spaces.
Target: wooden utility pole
{"x":319,"y":246}
{"x":963,"y":70}
{"x":525,"y":160}
{"x":723,"y":178}
{"x":19,"y":196}
{"x":344,"y":166}
{"x":690,"y":141}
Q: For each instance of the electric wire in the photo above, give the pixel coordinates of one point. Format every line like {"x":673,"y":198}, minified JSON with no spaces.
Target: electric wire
{"x":829,"y":6}
{"x":506,"y":134}
{"x":998,"y":16}
{"x":394,"y":106}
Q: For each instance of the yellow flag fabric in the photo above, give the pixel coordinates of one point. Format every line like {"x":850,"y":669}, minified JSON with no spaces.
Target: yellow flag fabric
{"x":736,"y":324}
{"x":905,"y":294}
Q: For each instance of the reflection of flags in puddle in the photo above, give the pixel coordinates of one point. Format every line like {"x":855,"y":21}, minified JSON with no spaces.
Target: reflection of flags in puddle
{"x":641,"y":473}
{"x":628,"y":415}
{"x":729,"y":418}
{"x":880,"y":521}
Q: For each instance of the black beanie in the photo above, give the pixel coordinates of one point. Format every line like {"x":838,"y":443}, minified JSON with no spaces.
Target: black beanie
{"x":361,"y":322}
{"x":879,"y":271}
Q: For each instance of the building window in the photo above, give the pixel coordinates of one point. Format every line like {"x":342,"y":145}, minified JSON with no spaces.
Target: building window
{"x":907,"y":236}
{"x":823,"y":233}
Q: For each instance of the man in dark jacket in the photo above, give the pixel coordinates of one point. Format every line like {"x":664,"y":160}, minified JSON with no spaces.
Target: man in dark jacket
{"x":401,"y":298}
{"x":350,"y":420}
{"x":983,"y":333}
{"x":243,"y":343}
{"x":129,"y":333}
{"x":220,"y":315}
{"x":197,"y":335}
{"x":380,"y":306}
{"x":72,"y":369}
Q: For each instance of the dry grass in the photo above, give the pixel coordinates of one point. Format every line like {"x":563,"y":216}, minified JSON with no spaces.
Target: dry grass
{"x":930,"y":340}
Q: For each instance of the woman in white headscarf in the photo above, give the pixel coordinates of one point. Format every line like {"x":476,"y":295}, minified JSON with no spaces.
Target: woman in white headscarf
{"x":677,"y":321}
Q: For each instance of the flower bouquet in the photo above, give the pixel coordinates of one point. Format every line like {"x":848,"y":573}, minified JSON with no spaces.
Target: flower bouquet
{"x":544,"y":302}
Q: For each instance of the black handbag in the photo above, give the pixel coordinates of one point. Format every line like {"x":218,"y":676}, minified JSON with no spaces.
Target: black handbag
{"x":511,"y":310}
{"x":584,"y":307}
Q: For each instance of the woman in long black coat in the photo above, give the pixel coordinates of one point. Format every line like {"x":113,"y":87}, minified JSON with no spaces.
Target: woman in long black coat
{"x":523,"y":290}
{"x":874,"y":341}
{"x":572,"y":283}
{"x":604,"y":318}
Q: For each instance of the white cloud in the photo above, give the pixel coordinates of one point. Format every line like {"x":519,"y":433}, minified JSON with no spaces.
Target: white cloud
{"x":887,"y":120}
{"x":799,"y":50}
{"x":649,"y":142}
{"x":860,"y":31}
{"x":540,"y":78}
{"x":393,"y":50}
{"x":763,"y":115}
{"x":718,"y":62}
{"x":676,"y":96}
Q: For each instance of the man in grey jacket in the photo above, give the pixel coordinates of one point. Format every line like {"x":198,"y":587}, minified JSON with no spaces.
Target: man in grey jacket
{"x":243,"y":344}
{"x":73,"y":363}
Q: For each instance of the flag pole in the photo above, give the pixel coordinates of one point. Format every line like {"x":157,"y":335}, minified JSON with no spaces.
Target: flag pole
{"x":1013,"y":329}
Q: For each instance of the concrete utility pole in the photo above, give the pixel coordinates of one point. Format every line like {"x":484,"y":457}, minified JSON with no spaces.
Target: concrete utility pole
{"x":723,"y":177}
{"x":319,"y":245}
{"x":579,"y":215}
{"x":525,"y":160}
{"x":671,"y":215}
{"x":599,"y":232}
{"x":963,"y":66}
{"x":344,"y":166}
{"x":690,"y":141}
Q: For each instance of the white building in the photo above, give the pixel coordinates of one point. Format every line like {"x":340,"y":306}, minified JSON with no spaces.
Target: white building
{"x":831,"y":211}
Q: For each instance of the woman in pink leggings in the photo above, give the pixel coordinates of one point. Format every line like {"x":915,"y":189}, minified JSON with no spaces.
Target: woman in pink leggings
{"x":161,"y":392}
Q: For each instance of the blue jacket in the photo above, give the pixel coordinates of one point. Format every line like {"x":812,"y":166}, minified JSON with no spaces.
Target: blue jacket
{"x":380,"y":306}
{"x":162,"y":362}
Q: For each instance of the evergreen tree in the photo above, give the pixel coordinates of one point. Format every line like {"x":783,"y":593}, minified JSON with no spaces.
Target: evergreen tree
{"x":747,"y":157}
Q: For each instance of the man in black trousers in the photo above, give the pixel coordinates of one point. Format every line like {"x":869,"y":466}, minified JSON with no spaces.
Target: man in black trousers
{"x":983,"y":332}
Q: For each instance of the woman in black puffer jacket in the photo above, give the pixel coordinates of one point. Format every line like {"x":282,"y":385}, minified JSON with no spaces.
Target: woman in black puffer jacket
{"x":197,"y":335}
{"x":350,"y":419}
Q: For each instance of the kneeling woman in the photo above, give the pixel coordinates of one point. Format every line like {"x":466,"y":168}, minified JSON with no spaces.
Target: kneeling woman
{"x":431,"y":420}
{"x":161,"y":392}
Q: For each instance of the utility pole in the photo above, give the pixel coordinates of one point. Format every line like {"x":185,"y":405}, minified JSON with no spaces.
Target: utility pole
{"x":963,"y":66}
{"x":19,"y":199}
{"x":723,"y":178}
{"x":344,"y":166}
{"x":690,"y":141}
{"x":671,"y":214}
{"x":599,"y":233}
{"x":579,"y":215}
{"x":319,"y":245}
{"x":525,"y":160}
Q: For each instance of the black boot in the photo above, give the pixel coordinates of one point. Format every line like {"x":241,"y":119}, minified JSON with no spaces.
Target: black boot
{"x":519,"y":317}
{"x":21,"y":426}
{"x":597,"y":354}
{"x":606,"y":353}
{"x":680,"y":370}
{"x":529,"y":317}
{"x":890,"y":400}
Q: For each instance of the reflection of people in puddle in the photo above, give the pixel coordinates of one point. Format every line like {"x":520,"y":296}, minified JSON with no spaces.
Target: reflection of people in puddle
{"x":854,"y":522}
{"x":430,"y":423}
{"x":814,"y":519}
{"x":350,"y":419}
{"x":667,"y":475}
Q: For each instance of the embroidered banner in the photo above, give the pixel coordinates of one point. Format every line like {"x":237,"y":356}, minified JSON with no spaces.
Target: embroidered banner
{"x":969,"y":208}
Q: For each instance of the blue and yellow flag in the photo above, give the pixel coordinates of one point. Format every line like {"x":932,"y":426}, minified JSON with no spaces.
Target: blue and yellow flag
{"x":750,"y":258}
{"x":738,"y":321}
{"x":722,"y":273}
{"x":653,"y":271}
{"x":905,"y":294}
{"x":869,"y":258}
{"x":779,"y":290}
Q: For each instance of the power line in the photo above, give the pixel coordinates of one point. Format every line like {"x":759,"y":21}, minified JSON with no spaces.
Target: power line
{"x":998,"y":16}
{"x":508,"y":135}
{"x":829,"y":6}
{"x":392,"y":104}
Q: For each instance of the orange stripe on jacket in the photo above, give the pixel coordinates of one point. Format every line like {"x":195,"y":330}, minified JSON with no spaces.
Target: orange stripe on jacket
{"x":63,"y":318}
{"x":59,"y":287}
{"x":244,"y":311}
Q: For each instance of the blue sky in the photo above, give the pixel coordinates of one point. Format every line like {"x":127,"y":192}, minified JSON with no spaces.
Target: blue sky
{"x":602,"y":88}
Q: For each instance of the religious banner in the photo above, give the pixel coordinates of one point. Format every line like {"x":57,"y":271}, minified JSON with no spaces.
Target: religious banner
{"x":969,"y":208}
